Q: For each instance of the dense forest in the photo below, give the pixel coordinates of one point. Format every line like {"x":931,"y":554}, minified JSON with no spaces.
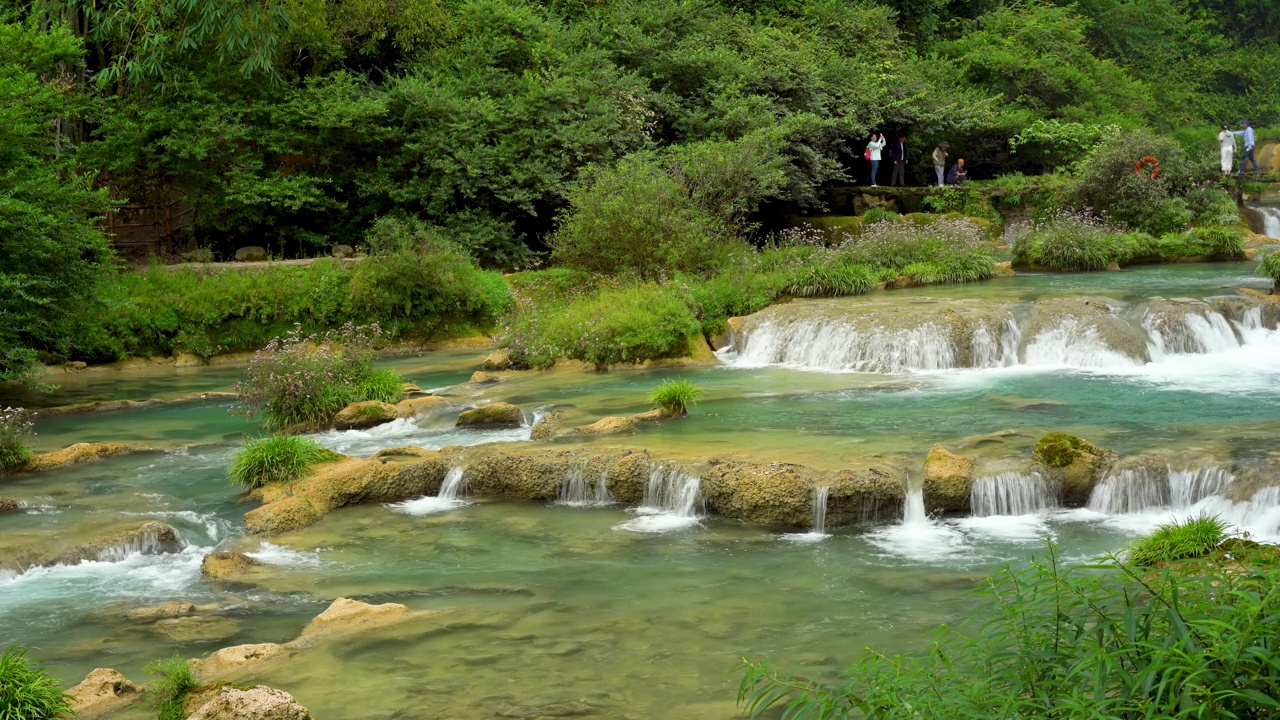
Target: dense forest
{"x":302,"y":124}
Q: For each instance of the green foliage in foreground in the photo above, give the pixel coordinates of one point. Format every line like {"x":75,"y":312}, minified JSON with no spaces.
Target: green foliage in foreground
{"x":676,"y":396}
{"x":174,"y":679}
{"x":1191,"y":538}
{"x":27,"y":692}
{"x":15,"y":429}
{"x":276,"y":458}
{"x":1071,"y":241}
{"x":1103,"y":640}
{"x":1270,"y":267}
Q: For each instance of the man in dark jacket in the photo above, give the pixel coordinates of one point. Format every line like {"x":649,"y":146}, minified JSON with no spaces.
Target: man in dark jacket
{"x":957,"y":173}
{"x":898,"y":154}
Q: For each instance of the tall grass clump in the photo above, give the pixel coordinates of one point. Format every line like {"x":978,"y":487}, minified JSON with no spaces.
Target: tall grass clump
{"x":174,"y":680}
{"x":1069,"y":241}
{"x":276,"y":458}
{"x":879,"y":214}
{"x":301,"y":381}
{"x":1178,"y":540}
{"x":675,"y":397}
{"x":1105,"y":639}
{"x":1270,"y":268}
{"x":15,"y":430}
{"x":27,"y":692}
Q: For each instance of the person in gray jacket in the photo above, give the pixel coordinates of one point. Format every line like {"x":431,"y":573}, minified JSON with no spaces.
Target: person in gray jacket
{"x":940,"y":161}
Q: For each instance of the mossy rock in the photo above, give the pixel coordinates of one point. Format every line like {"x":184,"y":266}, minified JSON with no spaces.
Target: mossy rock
{"x":497,"y":414}
{"x":1060,"y":449}
{"x":831,"y":224}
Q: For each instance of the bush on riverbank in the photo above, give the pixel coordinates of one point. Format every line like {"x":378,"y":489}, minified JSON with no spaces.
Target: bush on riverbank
{"x":15,"y":430}
{"x":1072,"y":241}
{"x":174,"y":680}
{"x":1173,"y":541}
{"x":301,"y":381}
{"x":1107,"y":639}
{"x":27,"y":692}
{"x":1270,"y":268}
{"x":276,"y":458}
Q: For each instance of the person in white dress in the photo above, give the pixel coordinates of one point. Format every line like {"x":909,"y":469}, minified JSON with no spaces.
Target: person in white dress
{"x":1227,"y":142}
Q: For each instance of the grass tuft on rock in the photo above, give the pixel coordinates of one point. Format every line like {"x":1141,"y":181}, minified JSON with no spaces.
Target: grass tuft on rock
{"x":1179,"y":540}
{"x":1059,"y":449}
{"x":675,"y":397}
{"x":1270,"y":268}
{"x":174,"y":680}
{"x":276,"y":458}
{"x":27,"y":692}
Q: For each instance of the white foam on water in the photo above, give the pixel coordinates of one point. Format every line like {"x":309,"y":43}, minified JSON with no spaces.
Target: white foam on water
{"x":449,"y":498}
{"x":832,"y":346}
{"x":805,"y":537}
{"x":273,"y":554}
{"x":1011,"y":493}
{"x":919,"y":538}
{"x":1073,"y":345}
{"x":1029,"y":528}
{"x":406,"y":431}
{"x":215,"y":528}
{"x":578,"y":490}
{"x":136,"y":575}
{"x":672,"y":501}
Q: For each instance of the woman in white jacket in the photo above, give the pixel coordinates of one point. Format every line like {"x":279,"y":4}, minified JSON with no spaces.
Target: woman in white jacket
{"x":876,"y":145}
{"x":1227,"y":142}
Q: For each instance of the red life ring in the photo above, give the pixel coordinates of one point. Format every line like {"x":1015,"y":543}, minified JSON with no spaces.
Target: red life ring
{"x":1155,"y":166}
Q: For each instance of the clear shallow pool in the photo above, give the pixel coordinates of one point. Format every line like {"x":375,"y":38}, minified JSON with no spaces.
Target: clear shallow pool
{"x":567,"y":607}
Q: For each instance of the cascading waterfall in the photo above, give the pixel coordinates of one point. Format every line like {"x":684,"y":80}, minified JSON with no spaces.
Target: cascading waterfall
{"x":1192,"y":332}
{"x":842,"y":347}
{"x":577,"y":489}
{"x":999,"y":349}
{"x":913,"y":512}
{"x":151,"y":541}
{"x":1074,"y":344}
{"x":1141,"y":489}
{"x":1011,"y":493}
{"x":672,"y":499}
{"x":820,"y":509}
{"x":1270,"y":220}
{"x":449,"y":497}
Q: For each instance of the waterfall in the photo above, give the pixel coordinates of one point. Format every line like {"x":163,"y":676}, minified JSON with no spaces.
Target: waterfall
{"x":834,"y":345}
{"x":1011,"y":493}
{"x":1140,"y":489}
{"x":672,"y":500}
{"x":820,"y":509}
{"x":151,"y":539}
{"x":1270,"y":220}
{"x":577,"y":490}
{"x":1192,"y":332}
{"x":452,"y":488}
{"x":1072,"y":344}
{"x":999,"y":349}
{"x":913,"y":509}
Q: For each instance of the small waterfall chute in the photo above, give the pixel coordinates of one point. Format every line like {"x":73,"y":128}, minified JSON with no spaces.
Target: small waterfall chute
{"x":834,"y":345}
{"x":1138,"y":490}
{"x":1072,"y":343}
{"x":580,"y":489}
{"x":1011,"y":493}
{"x":819,"y":530}
{"x":1197,"y":331}
{"x":450,"y":496}
{"x":672,"y":500}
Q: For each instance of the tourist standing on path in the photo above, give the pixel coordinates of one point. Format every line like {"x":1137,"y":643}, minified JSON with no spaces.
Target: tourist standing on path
{"x":873,"y":155}
{"x":957,"y":173}
{"x":940,"y":161}
{"x":898,"y":154}
{"x":1247,"y":155}
{"x":1227,"y":141}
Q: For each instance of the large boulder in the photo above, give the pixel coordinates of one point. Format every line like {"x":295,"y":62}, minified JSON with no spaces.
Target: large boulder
{"x":353,"y":481}
{"x":102,"y":692}
{"x":773,"y":494}
{"x":628,"y":477}
{"x":501,"y":359}
{"x":1074,"y":464}
{"x":252,"y":253}
{"x":948,"y":479}
{"x":547,"y":427}
{"x":364,"y":414}
{"x":229,"y":567}
{"x":256,"y":703}
{"x":494,"y":415}
{"x":481,"y":377}
{"x":232,"y":661}
{"x":863,"y":495}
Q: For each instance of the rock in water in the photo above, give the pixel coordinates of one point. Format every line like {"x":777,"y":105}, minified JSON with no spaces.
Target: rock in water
{"x":231,"y":660}
{"x":948,"y":479}
{"x":346,"y":615}
{"x":228,"y":566}
{"x":8,"y":503}
{"x":365,"y":414}
{"x":102,"y":691}
{"x":252,"y":253}
{"x":607,"y":426}
{"x":495,"y":415}
{"x":1074,"y":464}
{"x":256,"y":703}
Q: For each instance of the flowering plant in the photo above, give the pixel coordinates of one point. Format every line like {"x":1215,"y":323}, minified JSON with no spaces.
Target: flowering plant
{"x":15,"y":429}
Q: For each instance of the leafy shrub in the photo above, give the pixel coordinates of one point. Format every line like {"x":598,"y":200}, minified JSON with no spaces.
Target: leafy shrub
{"x":742,"y":292}
{"x":1178,"y":540}
{"x":304,"y":380}
{"x":416,"y":280}
{"x":174,"y":680}
{"x":1100,"y":640}
{"x":15,"y":429}
{"x":1107,"y":183}
{"x":879,"y":214}
{"x":1270,"y":267}
{"x":1211,"y":205}
{"x":1219,"y":243}
{"x":831,"y":275}
{"x":27,"y":692}
{"x":1059,"y":449}
{"x":625,"y":324}
{"x":675,"y":397}
{"x":277,"y":458}
{"x":1068,"y":241}
{"x":954,"y":242}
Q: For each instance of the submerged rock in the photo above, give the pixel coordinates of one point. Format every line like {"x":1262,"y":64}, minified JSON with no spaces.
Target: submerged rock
{"x":149,"y":538}
{"x":80,"y":453}
{"x":948,"y":479}
{"x":172,"y":609}
{"x":480,"y":377}
{"x":102,"y":692}
{"x":8,"y":504}
{"x":607,"y":426}
{"x":494,"y":415}
{"x":233,"y":660}
{"x":197,"y":628}
{"x":345,"y":615}
{"x":256,"y":703}
{"x":1074,"y":464}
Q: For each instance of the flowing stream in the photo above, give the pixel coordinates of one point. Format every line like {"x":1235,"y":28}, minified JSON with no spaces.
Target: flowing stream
{"x":640,"y":611}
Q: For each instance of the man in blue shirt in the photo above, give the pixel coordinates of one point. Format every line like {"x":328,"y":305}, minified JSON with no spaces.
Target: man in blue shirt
{"x":1247,"y":132}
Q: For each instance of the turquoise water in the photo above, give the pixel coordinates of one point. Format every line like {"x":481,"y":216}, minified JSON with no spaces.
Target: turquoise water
{"x":553,"y":606}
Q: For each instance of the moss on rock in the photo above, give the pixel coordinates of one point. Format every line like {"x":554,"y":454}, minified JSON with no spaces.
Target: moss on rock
{"x":948,"y":480}
{"x":494,"y":415}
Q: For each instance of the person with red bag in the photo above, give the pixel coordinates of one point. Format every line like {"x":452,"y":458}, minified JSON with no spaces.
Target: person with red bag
{"x":872,"y":154}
